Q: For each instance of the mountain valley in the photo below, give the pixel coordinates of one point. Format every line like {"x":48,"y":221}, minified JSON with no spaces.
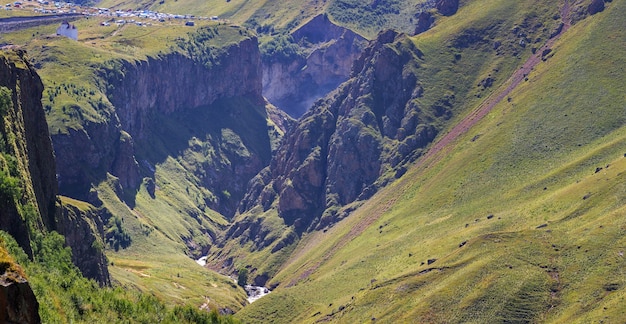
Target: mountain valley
{"x":394,"y":161}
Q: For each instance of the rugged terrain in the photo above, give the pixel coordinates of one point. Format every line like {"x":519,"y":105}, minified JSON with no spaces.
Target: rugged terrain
{"x":465,"y":164}
{"x":512,"y":213}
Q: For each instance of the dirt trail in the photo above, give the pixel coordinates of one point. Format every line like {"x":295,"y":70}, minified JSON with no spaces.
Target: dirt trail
{"x":443,"y":145}
{"x":355,"y":231}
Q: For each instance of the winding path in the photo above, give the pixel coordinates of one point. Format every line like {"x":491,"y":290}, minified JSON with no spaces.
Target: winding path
{"x":443,"y":145}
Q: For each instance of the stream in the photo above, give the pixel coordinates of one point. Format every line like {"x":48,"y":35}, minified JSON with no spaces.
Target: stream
{"x":254,"y":292}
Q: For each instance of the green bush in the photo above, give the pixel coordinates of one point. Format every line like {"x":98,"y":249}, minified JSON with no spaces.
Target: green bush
{"x":6,"y":102}
{"x":242,"y":277}
{"x":280,"y":48}
{"x":10,"y":187}
{"x":116,"y":236}
{"x":65,"y":296}
{"x":364,"y":14}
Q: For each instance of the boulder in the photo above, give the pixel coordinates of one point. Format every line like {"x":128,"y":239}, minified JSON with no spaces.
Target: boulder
{"x":425,"y":20}
{"x":595,"y":6}
{"x":447,"y":7}
{"x":17,"y":300}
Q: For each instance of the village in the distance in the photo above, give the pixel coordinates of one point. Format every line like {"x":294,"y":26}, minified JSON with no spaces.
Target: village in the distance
{"x":120,"y":17}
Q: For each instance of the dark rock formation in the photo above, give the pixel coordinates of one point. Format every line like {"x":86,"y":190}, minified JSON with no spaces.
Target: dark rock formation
{"x":595,"y":6}
{"x":138,"y":89}
{"x":425,"y":20}
{"x":17,"y":300}
{"x":84,"y":230}
{"x":32,"y":147}
{"x":294,"y":84}
{"x":340,"y":149}
{"x":447,"y":7}
{"x":33,"y":150}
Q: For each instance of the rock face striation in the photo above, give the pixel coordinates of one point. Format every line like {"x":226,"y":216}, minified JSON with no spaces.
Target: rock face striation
{"x":86,"y":240}
{"x":329,"y":51}
{"x":348,"y":145}
{"x":188,"y":97}
{"x":32,"y":149}
{"x":138,"y":92}
{"x":138,"y":89}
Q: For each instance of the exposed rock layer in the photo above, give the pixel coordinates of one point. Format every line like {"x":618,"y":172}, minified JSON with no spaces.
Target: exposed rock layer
{"x":294,"y":85}
{"x":340,"y":149}
{"x":33,"y":149}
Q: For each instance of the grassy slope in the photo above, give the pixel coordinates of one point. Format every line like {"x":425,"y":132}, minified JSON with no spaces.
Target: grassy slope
{"x":357,"y":15}
{"x":441,"y":75}
{"x":533,"y":164}
{"x":156,"y":260}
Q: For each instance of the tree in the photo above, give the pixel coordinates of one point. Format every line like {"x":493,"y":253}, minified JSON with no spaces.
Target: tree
{"x":242,"y":278}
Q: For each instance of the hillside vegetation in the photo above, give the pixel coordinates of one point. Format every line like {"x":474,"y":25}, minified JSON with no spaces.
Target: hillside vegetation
{"x":47,"y":286}
{"x":472,"y":173}
{"x":521,"y":219}
{"x":146,"y":235}
{"x":364,"y":17}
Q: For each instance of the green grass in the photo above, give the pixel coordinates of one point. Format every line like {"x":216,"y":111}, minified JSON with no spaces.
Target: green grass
{"x":508,"y":269}
{"x":442,"y":75}
{"x":279,"y":15}
{"x":65,"y":296}
{"x":157,"y":261}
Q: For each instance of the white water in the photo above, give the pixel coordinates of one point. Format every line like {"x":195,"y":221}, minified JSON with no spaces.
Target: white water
{"x":254,"y":292}
{"x":202,"y":261}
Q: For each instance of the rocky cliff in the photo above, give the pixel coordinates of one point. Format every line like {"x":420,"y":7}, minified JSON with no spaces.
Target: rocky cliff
{"x":27,"y":153}
{"x":348,"y":145}
{"x":139,"y":89}
{"x":329,"y":50}
{"x":193,"y":118}
{"x":138,"y":93}
{"x":25,"y":137}
{"x":83,"y":228}
{"x":187,"y":90}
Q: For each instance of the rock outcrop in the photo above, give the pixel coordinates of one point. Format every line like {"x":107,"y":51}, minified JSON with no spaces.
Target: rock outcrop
{"x":17,"y":300}
{"x":447,"y":7}
{"x":294,"y":84}
{"x":84,"y":232}
{"x":595,"y":6}
{"x":138,"y":89}
{"x":424,"y":22}
{"x":341,"y":148}
{"x":32,"y":149}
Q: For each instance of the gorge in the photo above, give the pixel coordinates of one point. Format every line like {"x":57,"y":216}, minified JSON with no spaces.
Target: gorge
{"x":467,"y":166}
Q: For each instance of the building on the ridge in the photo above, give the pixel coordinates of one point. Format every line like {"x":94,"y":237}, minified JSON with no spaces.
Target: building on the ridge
{"x":68,"y":30}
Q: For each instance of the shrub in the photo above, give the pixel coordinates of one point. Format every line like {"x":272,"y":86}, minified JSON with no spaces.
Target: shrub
{"x":280,"y":48}
{"x":6,"y":102}
{"x":242,"y":277}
